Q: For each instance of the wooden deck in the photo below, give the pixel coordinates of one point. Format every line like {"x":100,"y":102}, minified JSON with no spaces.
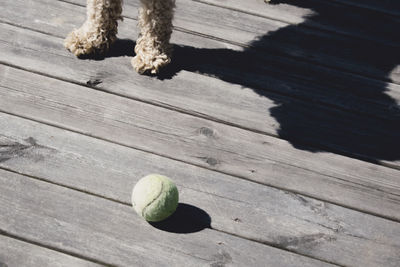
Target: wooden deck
{"x":279,"y":123}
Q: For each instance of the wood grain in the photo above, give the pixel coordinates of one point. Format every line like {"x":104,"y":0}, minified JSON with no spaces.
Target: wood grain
{"x":280,"y":75}
{"x":238,"y":207}
{"x":16,"y":253}
{"x":64,"y":17}
{"x":112,"y":233}
{"x":197,"y":141}
{"x":343,"y":52}
{"x":84,"y":166}
{"x":321,"y":15}
{"x":250,"y":107}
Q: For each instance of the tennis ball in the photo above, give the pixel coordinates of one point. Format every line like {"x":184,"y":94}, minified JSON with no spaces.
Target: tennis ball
{"x":155,"y":197}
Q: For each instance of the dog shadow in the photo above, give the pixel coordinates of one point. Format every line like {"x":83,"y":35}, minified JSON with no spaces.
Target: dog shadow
{"x":325,"y":111}
{"x":306,"y":122}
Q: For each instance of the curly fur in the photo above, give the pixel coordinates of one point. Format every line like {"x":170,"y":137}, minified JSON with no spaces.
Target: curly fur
{"x":99,"y":31}
{"x":153,"y":50}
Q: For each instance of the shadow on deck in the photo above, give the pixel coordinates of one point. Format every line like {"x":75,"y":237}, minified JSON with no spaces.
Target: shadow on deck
{"x":356,"y":129}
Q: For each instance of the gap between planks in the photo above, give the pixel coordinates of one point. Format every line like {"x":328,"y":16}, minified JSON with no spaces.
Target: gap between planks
{"x":244,"y":178}
{"x":121,"y":230}
{"x":352,"y":4}
{"x":98,"y":162}
{"x":310,"y":145}
{"x":295,"y":96}
{"x":64,"y":258}
{"x":284,"y":19}
{"x":211,"y":118}
{"x":94,"y":260}
{"x":337,"y":66}
{"x":191,"y":162}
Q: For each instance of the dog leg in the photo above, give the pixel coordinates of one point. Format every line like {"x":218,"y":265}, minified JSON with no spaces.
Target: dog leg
{"x":99,"y":30}
{"x":153,"y":49}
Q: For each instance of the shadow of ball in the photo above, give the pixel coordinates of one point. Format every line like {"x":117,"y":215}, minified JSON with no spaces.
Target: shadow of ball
{"x":186,"y":219}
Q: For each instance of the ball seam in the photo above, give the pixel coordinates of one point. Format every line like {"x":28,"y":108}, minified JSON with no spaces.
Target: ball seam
{"x":159,"y":194}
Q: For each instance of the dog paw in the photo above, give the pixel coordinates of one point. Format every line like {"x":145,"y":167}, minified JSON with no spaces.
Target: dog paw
{"x":153,"y":64}
{"x":85,"y":42}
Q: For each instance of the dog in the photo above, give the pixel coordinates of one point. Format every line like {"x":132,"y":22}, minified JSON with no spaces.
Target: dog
{"x":99,"y":32}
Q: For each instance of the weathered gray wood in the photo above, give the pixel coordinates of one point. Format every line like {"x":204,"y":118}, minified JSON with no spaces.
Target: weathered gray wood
{"x":321,"y":81}
{"x":327,"y":49}
{"x":15,"y":253}
{"x":235,"y":206}
{"x":333,"y":130}
{"x":304,"y":242}
{"x":256,"y":157}
{"x":64,"y":18}
{"x":112,"y":233}
{"x":323,"y":84}
{"x":319,"y":14}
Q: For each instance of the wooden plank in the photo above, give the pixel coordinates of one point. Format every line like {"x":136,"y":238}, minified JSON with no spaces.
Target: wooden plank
{"x":343,"y":52}
{"x":112,"y":233}
{"x":316,"y":84}
{"x":371,"y":59}
{"x":324,"y":128}
{"x":236,"y":206}
{"x":15,"y":253}
{"x":259,"y":7}
{"x":321,"y":15}
{"x":231,"y":150}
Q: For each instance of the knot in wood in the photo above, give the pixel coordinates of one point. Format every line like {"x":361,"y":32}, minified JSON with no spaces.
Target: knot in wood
{"x":212,"y":161}
{"x":206,"y":132}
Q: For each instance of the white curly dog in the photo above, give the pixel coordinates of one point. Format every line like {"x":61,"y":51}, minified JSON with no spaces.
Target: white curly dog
{"x":99,"y":31}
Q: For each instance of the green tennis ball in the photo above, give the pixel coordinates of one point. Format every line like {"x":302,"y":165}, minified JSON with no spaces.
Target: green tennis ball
{"x":155,"y":197}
